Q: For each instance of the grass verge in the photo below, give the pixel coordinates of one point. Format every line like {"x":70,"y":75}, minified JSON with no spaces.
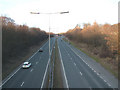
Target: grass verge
{"x":94,"y":57}
{"x":57,"y":80}
{"x":7,"y":68}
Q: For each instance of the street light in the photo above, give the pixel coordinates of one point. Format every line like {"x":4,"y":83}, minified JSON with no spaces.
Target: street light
{"x":49,"y":22}
{"x":49,"y":26}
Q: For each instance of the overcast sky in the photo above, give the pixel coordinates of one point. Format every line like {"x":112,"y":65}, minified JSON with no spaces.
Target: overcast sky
{"x":80,"y":11}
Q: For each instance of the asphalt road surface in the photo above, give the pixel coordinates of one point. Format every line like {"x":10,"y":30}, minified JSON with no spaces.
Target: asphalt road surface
{"x":78,"y":73}
{"x":34,"y":76}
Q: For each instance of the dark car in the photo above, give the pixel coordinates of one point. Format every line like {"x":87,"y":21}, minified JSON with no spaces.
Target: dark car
{"x":41,"y":50}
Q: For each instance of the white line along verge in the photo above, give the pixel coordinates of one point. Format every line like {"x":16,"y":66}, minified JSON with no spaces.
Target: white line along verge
{"x":11,"y":76}
{"x":87,"y":64}
{"x":63,"y":69}
{"x":19,"y":67}
{"x":46,"y":71}
{"x":22,"y":84}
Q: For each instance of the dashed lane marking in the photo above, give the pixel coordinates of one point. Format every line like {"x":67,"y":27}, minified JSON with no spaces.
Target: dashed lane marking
{"x":22,"y":84}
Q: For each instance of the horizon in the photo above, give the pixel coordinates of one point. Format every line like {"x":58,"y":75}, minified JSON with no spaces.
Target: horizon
{"x":80,"y":13}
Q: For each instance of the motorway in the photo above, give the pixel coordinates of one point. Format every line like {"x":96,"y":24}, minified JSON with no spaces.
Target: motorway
{"x":78,"y":73}
{"x":34,"y":76}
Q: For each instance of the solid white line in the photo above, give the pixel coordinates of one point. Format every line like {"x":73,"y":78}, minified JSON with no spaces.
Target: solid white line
{"x":80,"y":73}
{"x":11,"y":76}
{"x":85,"y":62}
{"x":45,"y":71}
{"x":19,"y":68}
{"x":63,"y":69}
{"x":109,"y":84}
{"x":22,"y":84}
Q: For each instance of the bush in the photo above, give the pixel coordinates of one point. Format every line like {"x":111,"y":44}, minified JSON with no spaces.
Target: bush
{"x":18,"y":38}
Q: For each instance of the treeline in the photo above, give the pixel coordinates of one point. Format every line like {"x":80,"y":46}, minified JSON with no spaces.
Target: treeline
{"x":101,"y":40}
{"x":18,"y":38}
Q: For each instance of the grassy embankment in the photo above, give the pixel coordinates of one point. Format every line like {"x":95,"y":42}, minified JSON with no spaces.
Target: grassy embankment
{"x":18,"y":60}
{"x":19,"y":42}
{"x":84,"y":49}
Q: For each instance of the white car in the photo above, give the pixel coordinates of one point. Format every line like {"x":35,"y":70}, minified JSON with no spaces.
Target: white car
{"x":26,"y":65}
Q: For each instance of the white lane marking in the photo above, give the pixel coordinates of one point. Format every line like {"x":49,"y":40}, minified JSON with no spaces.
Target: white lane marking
{"x":86,"y":63}
{"x":109,"y":84}
{"x":92,"y":68}
{"x":94,"y":71}
{"x":101,"y":77}
{"x":36,"y":62}
{"x":22,"y":84}
{"x":74,"y":64}
{"x":105,"y":81}
{"x":31,"y":70}
{"x":63,"y":69}
{"x":10,"y":77}
{"x":98,"y":74}
{"x":68,"y":54}
{"x":46,"y":71}
{"x":80,"y":73}
{"x":19,"y":68}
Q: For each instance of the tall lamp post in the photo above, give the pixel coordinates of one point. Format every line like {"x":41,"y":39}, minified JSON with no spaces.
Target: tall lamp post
{"x":49,"y":22}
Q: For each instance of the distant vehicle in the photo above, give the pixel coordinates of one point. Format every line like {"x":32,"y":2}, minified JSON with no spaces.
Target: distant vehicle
{"x":41,"y":50}
{"x":26,"y":65}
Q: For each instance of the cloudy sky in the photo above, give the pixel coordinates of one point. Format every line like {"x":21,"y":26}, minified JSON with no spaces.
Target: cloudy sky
{"x":80,"y":11}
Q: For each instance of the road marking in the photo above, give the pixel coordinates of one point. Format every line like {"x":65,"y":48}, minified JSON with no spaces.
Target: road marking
{"x":74,"y":64}
{"x":98,"y":74}
{"x":36,"y":62}
{"x":22,"y":84}
{"x":63,"y":68}
{"x":31,"y":70}
{"x":86,"y":63}
{"x":109,"y":84}
{"x":80,"y":73}
{"x":68,"y":53}
{"x":101,"y":77}
{"x":19,"y":68}
{"x":10,"y":77}
{"x":105,"y":81}
{"x":94,"y":71}
{"x":46,"y":71}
